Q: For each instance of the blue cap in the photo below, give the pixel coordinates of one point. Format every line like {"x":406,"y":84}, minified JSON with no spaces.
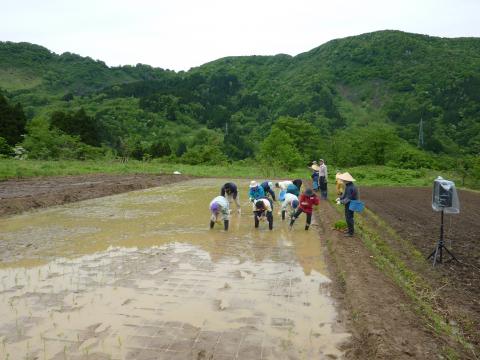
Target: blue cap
{"x":295,"y":204}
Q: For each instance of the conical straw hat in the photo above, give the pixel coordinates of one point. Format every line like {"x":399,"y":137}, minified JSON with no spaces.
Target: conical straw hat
{"x":346,"y":177}
{"x":315,"y":167}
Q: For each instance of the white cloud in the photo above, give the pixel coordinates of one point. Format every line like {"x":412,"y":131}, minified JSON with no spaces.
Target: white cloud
{"x":179,"y":34}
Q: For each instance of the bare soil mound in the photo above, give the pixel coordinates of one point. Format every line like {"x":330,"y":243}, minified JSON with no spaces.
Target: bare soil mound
{"x":21,"y":195}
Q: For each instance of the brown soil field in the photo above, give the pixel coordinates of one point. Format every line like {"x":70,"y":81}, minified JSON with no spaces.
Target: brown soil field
{"x":457,"y":284}
{"x":21,"y":195}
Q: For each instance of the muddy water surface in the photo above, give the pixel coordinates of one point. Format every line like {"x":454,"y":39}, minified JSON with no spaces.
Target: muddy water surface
{"x":141,"y":276}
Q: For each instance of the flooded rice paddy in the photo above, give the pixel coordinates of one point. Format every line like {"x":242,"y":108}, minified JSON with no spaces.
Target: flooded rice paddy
{"x":141,"y":276}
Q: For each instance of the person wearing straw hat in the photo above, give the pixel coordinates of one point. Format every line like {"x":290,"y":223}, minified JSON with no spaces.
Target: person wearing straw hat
{"x":256,"y":191}
{"x":315,"y":175}
{"x":307,"y":201}
{"x":350,"y":193}
{"x":219,"y":207}
{"x":339,"y":185}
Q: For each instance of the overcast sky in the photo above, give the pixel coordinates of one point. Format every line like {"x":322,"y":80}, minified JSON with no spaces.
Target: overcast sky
{"x":179,"y":34}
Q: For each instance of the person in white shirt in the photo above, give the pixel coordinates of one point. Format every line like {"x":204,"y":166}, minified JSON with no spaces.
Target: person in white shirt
{"x":323,"y":179}
{"x":219,"y":208}
{"x":262,"y":208}
{"x":290,"y":204}
{"x":282,"y":185}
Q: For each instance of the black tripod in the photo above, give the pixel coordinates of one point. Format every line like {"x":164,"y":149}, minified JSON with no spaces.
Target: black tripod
{"x":440,"y":247}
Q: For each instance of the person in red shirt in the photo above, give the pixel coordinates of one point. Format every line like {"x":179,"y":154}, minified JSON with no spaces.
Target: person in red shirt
{"x":307,"y":200}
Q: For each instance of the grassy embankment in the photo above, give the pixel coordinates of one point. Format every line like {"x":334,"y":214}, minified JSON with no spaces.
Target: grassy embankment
{"x":365,"y":175}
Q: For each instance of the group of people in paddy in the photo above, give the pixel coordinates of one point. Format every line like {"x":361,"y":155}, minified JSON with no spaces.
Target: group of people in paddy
{"x":292,"y":201}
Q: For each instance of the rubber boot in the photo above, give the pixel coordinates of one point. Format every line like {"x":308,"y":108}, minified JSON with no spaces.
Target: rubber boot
{"x":225,"y":224}
{"x":257,"y":222}
{"x":212,"y":224}
{"x":306,"y":227}
{"x":291,"y":224}
{"x":283,"y":214}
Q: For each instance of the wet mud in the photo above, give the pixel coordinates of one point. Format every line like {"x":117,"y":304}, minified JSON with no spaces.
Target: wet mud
{"x":141,"y":276}
{"x":18,"y":195}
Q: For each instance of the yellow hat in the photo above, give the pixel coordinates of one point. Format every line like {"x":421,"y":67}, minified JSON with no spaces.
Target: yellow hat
{"x":346,"y":177}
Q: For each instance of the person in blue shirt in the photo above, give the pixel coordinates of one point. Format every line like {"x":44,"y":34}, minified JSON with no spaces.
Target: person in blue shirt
{"x":350,"y":193}
{"x":256,"y":191}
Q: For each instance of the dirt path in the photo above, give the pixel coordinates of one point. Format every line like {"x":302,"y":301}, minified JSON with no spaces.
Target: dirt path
{"x":21,"y":195}
{"x":378,"y":313}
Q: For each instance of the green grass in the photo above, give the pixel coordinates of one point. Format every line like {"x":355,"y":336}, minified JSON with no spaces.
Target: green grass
{"x":10,"y":168}
{"x":365,"y":175}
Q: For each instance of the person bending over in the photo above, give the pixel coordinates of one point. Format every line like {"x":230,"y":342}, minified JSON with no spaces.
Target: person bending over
{"x":262,"y":208}
{"x":230,"y":192}
{"x":256,"y":191}
{"x":290,"y":204}
{"x":307,"y":200}
{"x":282,"y":185}
{"x":219,"y":209}
{"x":267,"y":189}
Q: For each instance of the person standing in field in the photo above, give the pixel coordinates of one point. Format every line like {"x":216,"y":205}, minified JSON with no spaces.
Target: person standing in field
{"x":349,"y":194}
{"x":230,"y":192}
{"x":307,"y":201}
{"x":255,"y":192}
{"x":220,"y":209}
{"x":323,"y":179}
{"x":339,"y":185}
{"x":290,"y":204}
{"x":282,"y":185}
{"x":315,"y":176}
{"x":267,"y":189}
{"x":262,"y":208}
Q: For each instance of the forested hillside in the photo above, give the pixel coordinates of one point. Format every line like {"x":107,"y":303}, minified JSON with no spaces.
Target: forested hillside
{"x":357,"y":100}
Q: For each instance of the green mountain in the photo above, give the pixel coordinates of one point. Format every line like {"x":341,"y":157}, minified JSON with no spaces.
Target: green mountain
{"x":355,"y":100}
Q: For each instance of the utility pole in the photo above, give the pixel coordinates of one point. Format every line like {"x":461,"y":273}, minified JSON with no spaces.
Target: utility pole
{"x":420,"y":134}
{"x":226,"y":128}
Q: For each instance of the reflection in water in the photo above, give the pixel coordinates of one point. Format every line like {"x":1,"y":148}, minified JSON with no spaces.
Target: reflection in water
{"x":140,"y":274}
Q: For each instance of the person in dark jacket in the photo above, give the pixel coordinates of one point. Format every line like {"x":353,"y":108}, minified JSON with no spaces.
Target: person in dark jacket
{"x":230,"y":192}
{"x":298,"y":184}
{"x":307,"y":201}
{"x":350,"y":193}
{"x":267,"y":188}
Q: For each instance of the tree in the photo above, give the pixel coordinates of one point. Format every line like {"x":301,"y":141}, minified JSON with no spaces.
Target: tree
{"x":45,"y":142}
{"x":278,"y":150}
{"x":12,"y":121}
{"x":77,"y":123}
